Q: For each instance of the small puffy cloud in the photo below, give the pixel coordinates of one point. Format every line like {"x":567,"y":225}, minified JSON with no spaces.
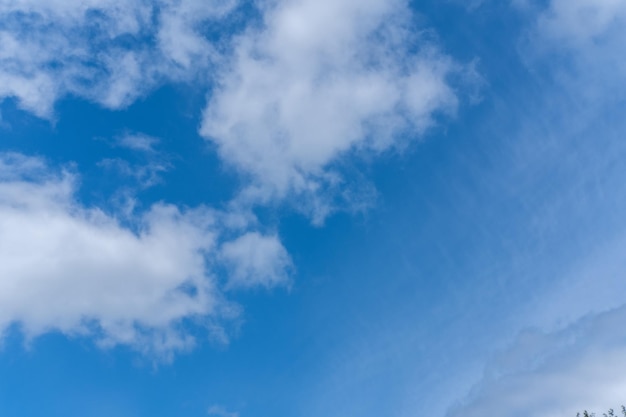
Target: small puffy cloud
{"x":219,"y":411}
{"x":254,"y":259}
{"x":320,"y":79}
{"x":556,"y":374}
{"x":74,"y":269}
{"x":137,"y":142}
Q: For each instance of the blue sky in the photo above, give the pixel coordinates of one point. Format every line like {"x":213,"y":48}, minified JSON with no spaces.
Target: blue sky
{"x":312,"y":208}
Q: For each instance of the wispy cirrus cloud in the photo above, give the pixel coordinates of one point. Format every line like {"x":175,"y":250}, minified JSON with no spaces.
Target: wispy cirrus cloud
{"x":569,"y":345}
{"x":147,"y":167}
{"x":582,"y":22}
{"x":556,"y":374}
{"x":580,"y":41}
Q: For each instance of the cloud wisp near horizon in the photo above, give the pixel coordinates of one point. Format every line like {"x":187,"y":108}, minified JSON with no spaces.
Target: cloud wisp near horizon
{"x":301,"y":207}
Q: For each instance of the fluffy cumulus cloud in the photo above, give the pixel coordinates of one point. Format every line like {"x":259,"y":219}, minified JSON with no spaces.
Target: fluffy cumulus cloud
{"x":254,"y":260}
{"x":318,"y":79}
{"x":312,"y":81}
{"x":107,"y":51}
{"x":556,"y":374}
{"x":78,"y":270}
{"x":309,"y":82}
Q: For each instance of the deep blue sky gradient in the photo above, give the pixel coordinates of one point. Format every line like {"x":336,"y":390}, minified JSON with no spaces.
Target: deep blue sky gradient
{"x":398,"y":307}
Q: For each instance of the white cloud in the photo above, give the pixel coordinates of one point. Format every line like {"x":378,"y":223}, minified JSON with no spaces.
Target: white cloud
{"x":571,"y":353}
{"x":107,"y":51}
{"x":146,"y":175}
{"x":137,"y":142}
{"x":582,"y":21}
{"x":256,"y":260}
{"x":556,"y":374}
{"x":148,"y":164}
{"x":569,"y":148}
{"x":77,"y":270}
{"x":180,"y":27}
{"x":581,"y":43}
{"x":219,"y":411}
{"x":320,"y":79}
